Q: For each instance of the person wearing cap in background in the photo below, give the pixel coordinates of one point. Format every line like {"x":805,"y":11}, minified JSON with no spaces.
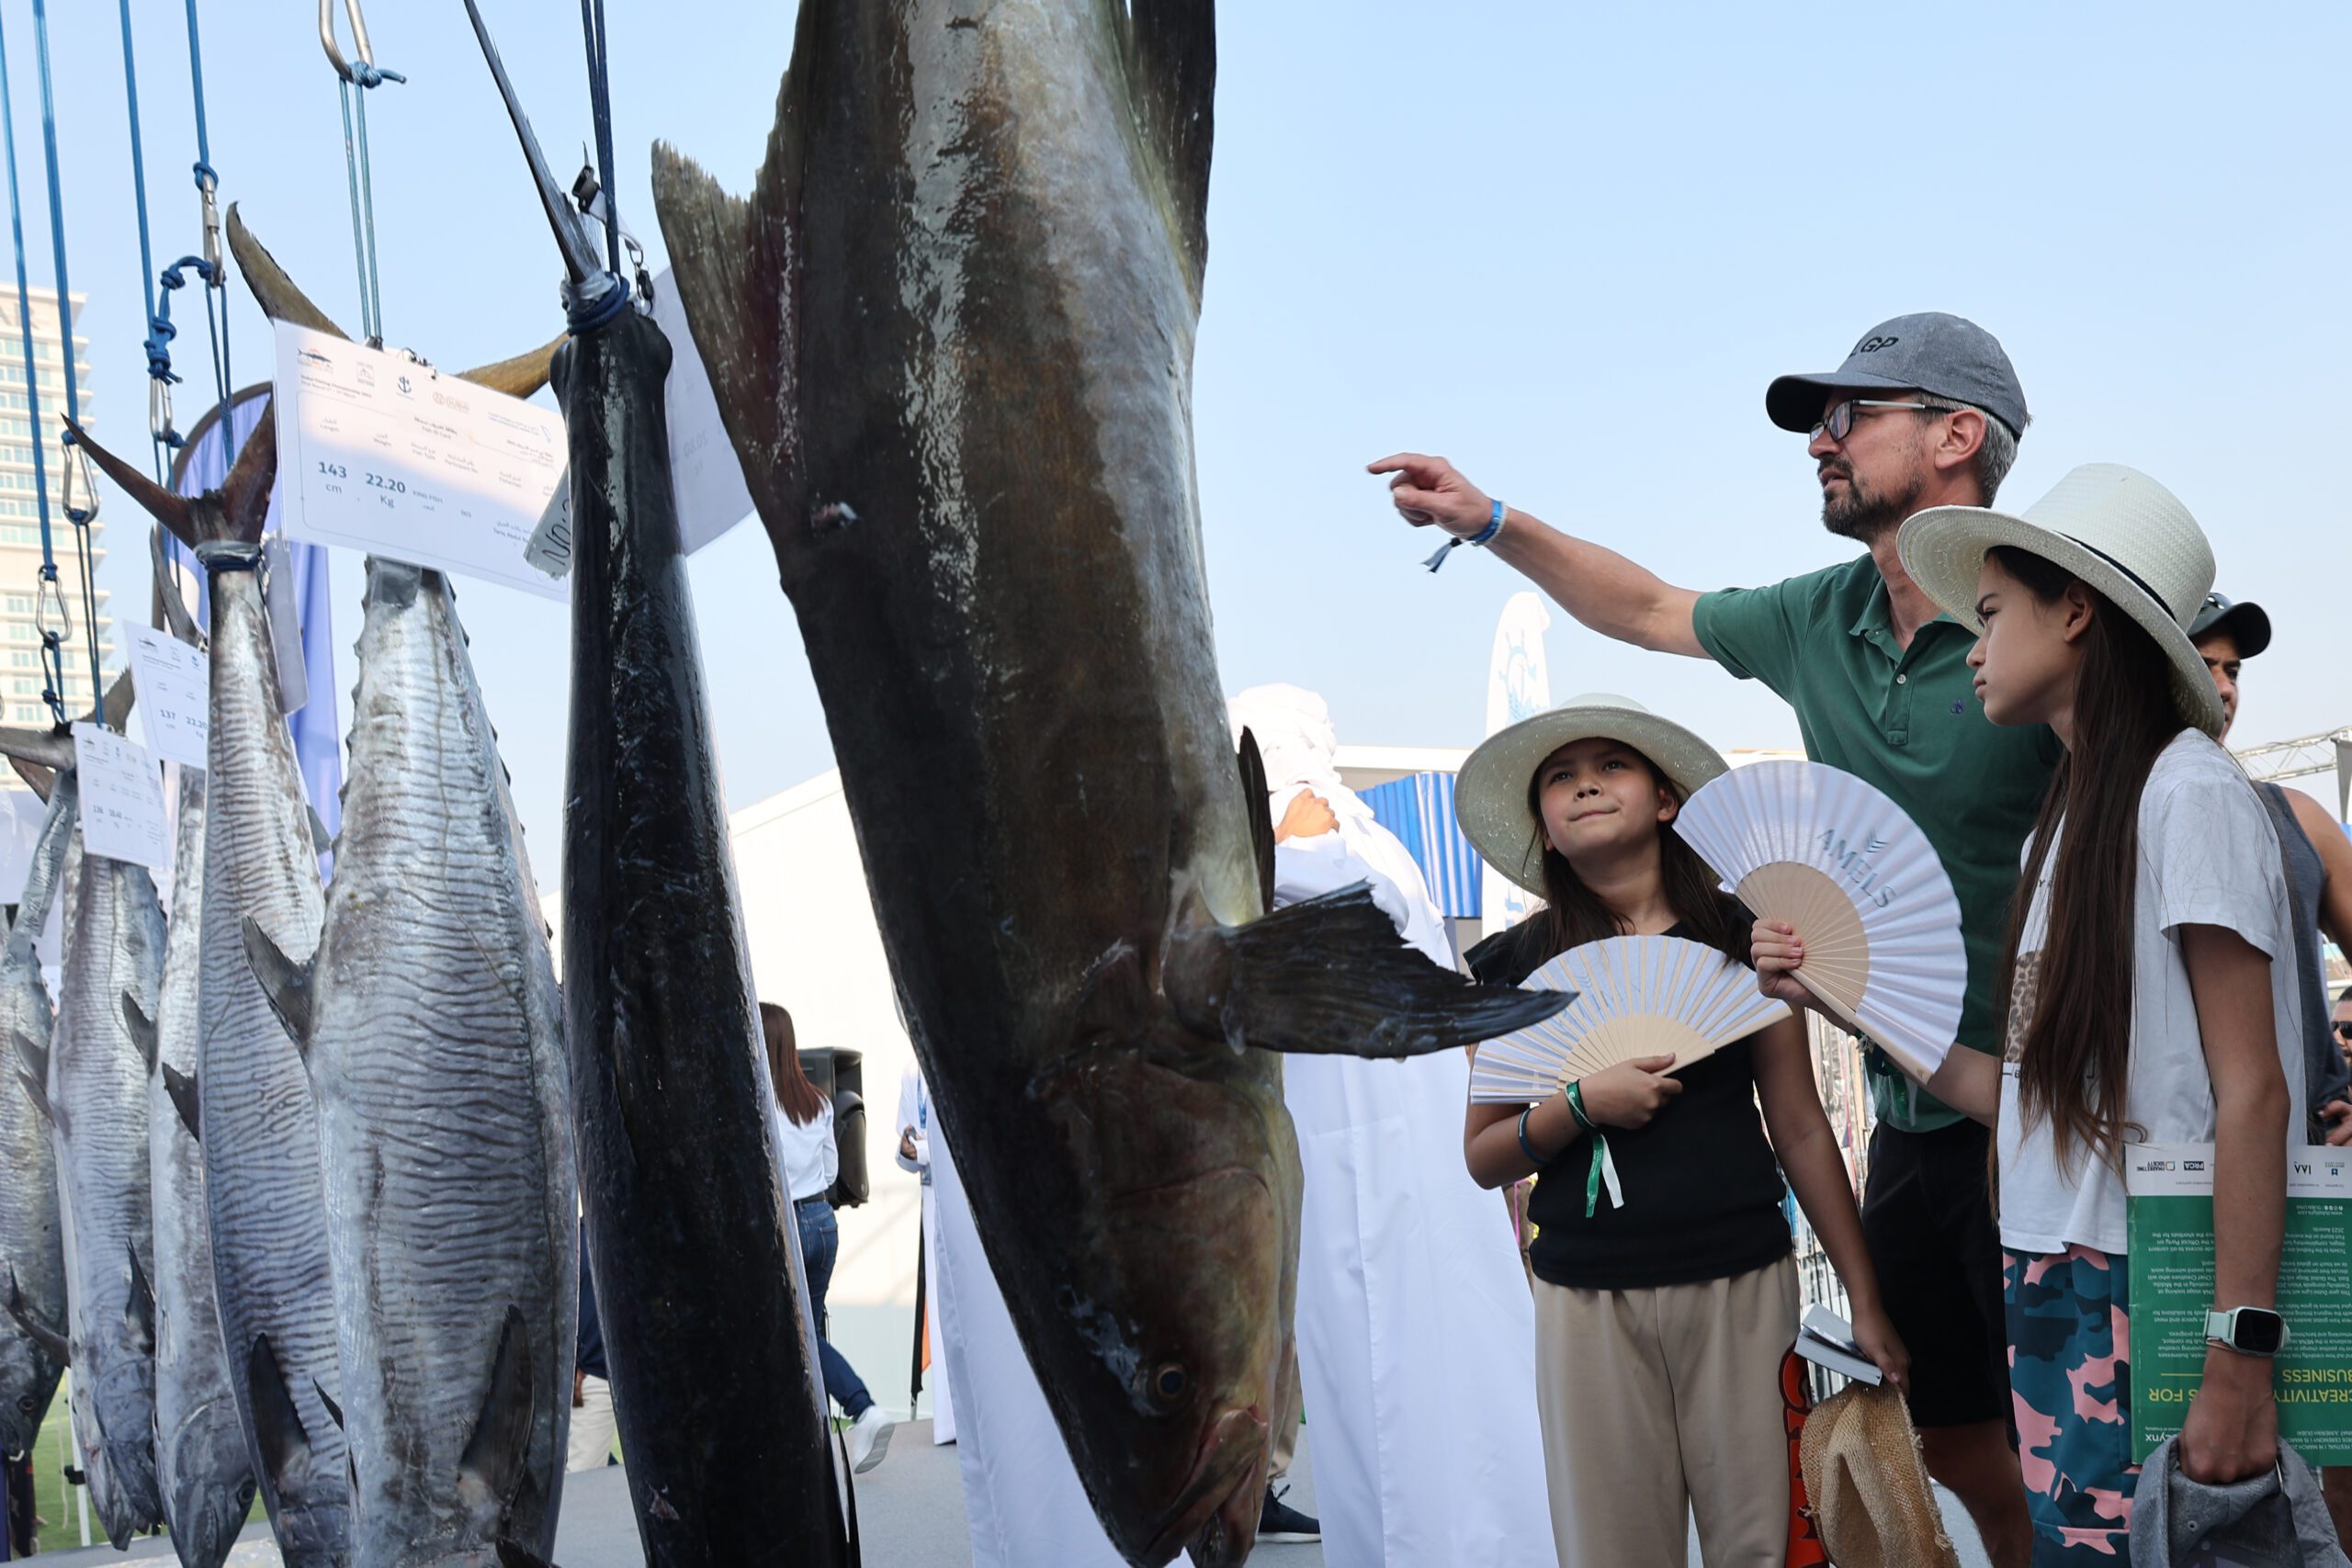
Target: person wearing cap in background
{"x":2319,"y":881}
{"x":2318,"y":864}
{"x":1925,"y":412}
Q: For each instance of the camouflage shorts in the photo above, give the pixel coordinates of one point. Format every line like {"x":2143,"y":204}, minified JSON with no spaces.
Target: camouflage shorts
{"x":2070,"y":1347}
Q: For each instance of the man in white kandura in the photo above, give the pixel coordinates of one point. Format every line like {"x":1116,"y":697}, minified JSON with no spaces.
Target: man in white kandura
{"x":1410,"y":1291}
{"x":914,"y":1155}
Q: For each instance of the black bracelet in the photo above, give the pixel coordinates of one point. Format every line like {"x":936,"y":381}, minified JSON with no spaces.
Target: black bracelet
{"x":1524,"y":1146}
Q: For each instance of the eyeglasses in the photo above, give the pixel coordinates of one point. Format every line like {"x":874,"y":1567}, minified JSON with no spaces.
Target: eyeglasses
{"x":2343,"y":1029}
{"x":1840,"y":421}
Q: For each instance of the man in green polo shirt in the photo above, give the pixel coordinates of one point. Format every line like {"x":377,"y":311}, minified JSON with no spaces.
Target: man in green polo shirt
{"x":1925,"y":412}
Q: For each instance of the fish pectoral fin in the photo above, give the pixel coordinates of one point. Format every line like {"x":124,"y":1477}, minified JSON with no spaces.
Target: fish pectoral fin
{"x":1260,"y":805}
{"x":279,"y":1432}
{"x":142,"y":1027}
{"x":34,"y":1055}
{"x":140,"y":1309}
{"x":335,"y":1411}
{"x":1330,"y":977}
{"x":181,"y":1089}
{"x":52,"y":1344}
{"x":321,"y":840}
{"x":1172,"y":46}
{"x":497,"y":1458}
{"x":37,"y":1092}
{"x":287,"y":985}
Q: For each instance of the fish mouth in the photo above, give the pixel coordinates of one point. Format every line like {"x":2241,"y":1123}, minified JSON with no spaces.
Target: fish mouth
{"x":1217,"y":1513}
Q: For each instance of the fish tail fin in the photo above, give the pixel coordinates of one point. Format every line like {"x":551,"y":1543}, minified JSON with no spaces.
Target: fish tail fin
{"x":169,"y":601}
{"x":277,"y":294}
{"x":519,"y":376}
{"x":1172,"y":49}
{"x":173,"y":511}
{"x":140,"y":1308}
{"x":736,"y":262}
{"x":41,"y":781}
{"x":1330,"y":977}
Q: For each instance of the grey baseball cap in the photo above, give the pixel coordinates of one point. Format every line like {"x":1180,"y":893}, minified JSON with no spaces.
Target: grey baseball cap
{"x":1948,"y":356}
{"x":2246,"y":622}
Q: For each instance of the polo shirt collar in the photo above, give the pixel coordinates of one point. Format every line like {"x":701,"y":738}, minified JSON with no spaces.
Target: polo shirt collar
{"x":1875,"y":618}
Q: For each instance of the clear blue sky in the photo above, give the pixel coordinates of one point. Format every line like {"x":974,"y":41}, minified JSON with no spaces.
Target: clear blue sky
{"x":1565,"y":246}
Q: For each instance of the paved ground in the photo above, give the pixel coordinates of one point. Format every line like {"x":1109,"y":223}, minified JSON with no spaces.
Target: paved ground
{"x":910,"y":1508}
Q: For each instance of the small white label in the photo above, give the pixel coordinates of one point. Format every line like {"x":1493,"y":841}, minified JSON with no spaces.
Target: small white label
{"x":122,"y":798}
{"x":550,"y":545}
{"x":174,"y":699}
{"x":382,"y":454}
{"x":284,"y":621}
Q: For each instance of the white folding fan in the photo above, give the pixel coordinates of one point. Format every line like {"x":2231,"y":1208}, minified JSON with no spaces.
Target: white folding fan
{"x":1638,"y":995}
{"x":1861,"y":886}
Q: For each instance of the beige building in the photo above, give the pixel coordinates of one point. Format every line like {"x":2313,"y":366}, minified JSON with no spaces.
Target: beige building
{"x":20,"y":668}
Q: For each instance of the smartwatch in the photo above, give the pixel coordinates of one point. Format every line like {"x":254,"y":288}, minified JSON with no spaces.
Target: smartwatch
{"x":2250,"y":1331}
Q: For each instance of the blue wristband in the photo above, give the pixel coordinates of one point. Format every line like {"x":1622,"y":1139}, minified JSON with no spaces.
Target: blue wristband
{"x":1483,"y":537}
{"x":1538,"y":1161}
{"x":1494,"y":525}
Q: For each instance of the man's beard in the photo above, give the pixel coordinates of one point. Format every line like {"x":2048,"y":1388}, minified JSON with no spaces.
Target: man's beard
{"x":1864,"y":514}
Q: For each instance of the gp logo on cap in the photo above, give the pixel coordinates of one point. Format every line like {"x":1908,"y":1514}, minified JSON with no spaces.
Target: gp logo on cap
{"x":1873,"y":344}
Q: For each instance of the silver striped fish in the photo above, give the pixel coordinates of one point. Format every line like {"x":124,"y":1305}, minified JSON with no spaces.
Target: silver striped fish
{"x":433,"y":1028}
{"x":97,"y":1111}
{"x":203,"y":1469}
{"x":32,"y":1241}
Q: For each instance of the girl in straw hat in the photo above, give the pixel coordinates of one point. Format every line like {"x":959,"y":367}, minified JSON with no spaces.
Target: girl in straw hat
{"x":1661,"y":1323}
{"x":2144,"y":1004}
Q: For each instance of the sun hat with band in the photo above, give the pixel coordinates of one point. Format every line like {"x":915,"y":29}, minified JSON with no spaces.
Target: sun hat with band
{"x":2116,"y":529}
{"x":1871,"y":1497}
{"x":1490,"y":792}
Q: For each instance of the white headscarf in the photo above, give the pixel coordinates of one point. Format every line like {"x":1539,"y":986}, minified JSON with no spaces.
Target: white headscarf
{"x":1292,"y":729}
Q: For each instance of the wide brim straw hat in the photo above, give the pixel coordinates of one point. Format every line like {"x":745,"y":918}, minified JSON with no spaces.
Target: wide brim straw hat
{"x":1490,"y":792}
{"x":1870,"y":1493}
{"x":2114,"y":528}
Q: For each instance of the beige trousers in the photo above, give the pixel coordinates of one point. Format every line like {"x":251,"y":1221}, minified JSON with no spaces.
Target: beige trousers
{"x":1664,"y":1403}
{"x":1284,"y":1422}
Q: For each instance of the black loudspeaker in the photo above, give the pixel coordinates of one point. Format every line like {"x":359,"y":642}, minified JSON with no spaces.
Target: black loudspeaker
{"x":840,"y":1076}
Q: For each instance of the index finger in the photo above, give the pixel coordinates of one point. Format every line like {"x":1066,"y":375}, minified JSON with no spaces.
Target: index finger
{"x":1402,"y":462}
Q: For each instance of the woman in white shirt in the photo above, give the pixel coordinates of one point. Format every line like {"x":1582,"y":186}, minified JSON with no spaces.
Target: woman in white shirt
{"x":803,"y":1120}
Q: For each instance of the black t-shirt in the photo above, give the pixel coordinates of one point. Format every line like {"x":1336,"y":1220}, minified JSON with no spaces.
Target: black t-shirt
{"x":1703,"y":1190}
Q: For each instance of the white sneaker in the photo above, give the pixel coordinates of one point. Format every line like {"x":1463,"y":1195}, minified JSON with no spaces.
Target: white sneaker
{"x":869,"y":1439}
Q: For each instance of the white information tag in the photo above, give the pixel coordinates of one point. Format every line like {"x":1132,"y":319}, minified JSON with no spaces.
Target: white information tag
{"x":285,"y":623}
{"x":712,"y":496}
{"x":122,"y":798}
{"x":380,"y":453}
{"x":22,"y":815}
{"x":175,"y":698}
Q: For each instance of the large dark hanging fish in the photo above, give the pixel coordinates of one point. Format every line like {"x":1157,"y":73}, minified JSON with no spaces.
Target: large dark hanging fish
{"x":697,"y":1264}
{"x":204,"y":1472}
{"x":951,"y":333}
{"x":264,"y":1183}
{"x":32,"y":1243}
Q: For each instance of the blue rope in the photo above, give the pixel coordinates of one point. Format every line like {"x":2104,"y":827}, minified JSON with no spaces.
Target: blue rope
{"x":163,"y":372}
{"x":600,"y":99}
{"x":80,"y":517}
{"x":52,"y":647}
{"x":208,"y":186}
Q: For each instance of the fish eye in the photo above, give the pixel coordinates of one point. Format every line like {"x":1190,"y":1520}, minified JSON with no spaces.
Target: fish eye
{"x":1170,"y":1382}
{"x":244,"y":1494}
{"x":25,"y":1402}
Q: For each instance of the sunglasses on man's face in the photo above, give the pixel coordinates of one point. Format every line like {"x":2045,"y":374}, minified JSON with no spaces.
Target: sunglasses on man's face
{"x":2343,"y":1029}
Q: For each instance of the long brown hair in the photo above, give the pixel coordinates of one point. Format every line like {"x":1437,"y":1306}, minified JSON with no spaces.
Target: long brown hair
{"x":1573,"y":914}
{"x":793,"y":1092}
{"x":2076,"y":1053}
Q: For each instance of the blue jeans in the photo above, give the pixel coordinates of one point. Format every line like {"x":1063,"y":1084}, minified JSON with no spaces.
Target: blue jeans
{"x":821,"y":1240}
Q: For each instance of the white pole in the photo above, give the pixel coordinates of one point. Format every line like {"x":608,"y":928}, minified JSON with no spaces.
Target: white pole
{"x":74,"y":1440}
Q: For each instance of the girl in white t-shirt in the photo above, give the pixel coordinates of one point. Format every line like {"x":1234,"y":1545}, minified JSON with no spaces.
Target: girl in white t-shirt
{"x":2150,"y":983}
